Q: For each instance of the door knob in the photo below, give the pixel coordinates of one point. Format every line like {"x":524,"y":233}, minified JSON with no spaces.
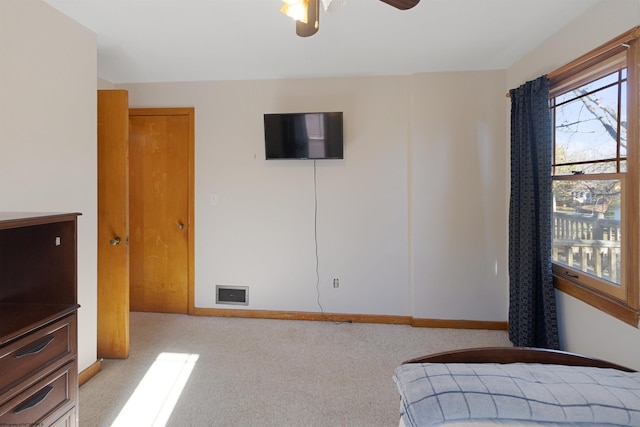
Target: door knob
{"x":115,"y":241}
{"x":180,"y":226}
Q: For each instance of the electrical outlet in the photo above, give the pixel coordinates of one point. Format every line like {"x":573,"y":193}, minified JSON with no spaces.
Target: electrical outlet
{"x":336,"y":283}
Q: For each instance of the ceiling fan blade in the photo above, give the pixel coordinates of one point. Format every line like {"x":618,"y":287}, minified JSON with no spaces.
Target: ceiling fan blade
{"x":313,"y":20}
{"x":402,"y":4}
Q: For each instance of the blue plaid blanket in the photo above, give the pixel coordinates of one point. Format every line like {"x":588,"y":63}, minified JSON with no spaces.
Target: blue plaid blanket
{"x":438,"y":394}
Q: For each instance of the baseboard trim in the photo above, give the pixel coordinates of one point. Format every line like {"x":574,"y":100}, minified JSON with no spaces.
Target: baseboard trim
{"x":354,"y":318}
{"x":303,"y":315}
{"x":460,"y":324}
{"x":90,"y":372}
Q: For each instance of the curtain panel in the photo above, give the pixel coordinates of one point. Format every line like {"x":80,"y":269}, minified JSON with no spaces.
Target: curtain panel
{"x":532,"y":305}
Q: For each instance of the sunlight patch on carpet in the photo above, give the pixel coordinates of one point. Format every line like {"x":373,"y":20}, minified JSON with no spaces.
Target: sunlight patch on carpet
{"x":153,"y":400}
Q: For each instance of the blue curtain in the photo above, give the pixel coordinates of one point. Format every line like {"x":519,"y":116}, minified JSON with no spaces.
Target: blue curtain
{"x":532,"y":305}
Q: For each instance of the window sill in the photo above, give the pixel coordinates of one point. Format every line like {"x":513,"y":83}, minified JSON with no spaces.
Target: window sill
{"x":615,"y":308}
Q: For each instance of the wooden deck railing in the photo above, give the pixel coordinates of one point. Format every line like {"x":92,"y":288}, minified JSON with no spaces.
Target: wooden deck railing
{"x":589,"y":244}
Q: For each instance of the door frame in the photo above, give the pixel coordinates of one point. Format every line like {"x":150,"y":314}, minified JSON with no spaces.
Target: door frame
{"x":190,"y":113}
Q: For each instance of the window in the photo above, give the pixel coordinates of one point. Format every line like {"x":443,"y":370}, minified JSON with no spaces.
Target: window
{"x":594,"y":106}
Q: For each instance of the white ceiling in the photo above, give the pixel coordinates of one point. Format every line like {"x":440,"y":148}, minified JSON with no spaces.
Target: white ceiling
{"x":194,"y":40}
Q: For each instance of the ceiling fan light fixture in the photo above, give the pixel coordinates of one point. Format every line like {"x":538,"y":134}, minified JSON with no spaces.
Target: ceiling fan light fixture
{"x":296,"y":9}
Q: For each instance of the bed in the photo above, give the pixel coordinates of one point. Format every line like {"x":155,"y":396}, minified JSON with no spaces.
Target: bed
{"x":487,"y":387}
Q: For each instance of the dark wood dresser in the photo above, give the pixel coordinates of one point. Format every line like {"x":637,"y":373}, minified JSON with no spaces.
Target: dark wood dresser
{"x":38,"y":319}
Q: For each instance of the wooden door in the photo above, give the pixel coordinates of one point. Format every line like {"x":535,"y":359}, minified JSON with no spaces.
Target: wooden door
{"x":113,"y":225}
{"x":161,"y":213}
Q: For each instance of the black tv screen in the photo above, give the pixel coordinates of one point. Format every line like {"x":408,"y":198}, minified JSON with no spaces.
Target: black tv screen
{"x":303,"y":136}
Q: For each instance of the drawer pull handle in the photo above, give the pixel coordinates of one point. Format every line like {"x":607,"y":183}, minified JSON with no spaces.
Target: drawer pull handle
{"x":34,"y":400}
{"x":35,"y":349}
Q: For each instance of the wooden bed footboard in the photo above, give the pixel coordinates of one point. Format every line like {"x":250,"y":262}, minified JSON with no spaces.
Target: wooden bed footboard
{"x":516,"y":355}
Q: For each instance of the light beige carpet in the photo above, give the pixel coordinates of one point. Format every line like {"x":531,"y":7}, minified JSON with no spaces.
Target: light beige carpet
{"x":254,"y":372}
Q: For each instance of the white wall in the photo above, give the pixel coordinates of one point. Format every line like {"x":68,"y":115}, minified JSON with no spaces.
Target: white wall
{"x":104,"y":84}
{"x":458,"y":204}
{"x":260,"y":231}
{"x":584,"y":329}
{"x":48,"y":132}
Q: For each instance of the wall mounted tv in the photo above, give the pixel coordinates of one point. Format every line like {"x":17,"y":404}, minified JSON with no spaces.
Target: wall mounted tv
{"x":303,"y":136}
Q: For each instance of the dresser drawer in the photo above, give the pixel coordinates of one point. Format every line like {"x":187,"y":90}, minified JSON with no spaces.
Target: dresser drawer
{"x":54,"y":395}
{"x":39,"y":350}
{"x":67,"y":420}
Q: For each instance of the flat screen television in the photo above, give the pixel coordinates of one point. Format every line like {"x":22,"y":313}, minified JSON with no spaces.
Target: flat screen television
{"x":303,"y":136}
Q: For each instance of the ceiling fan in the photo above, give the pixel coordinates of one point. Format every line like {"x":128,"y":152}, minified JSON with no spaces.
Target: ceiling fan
{"x":306,"y":13}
